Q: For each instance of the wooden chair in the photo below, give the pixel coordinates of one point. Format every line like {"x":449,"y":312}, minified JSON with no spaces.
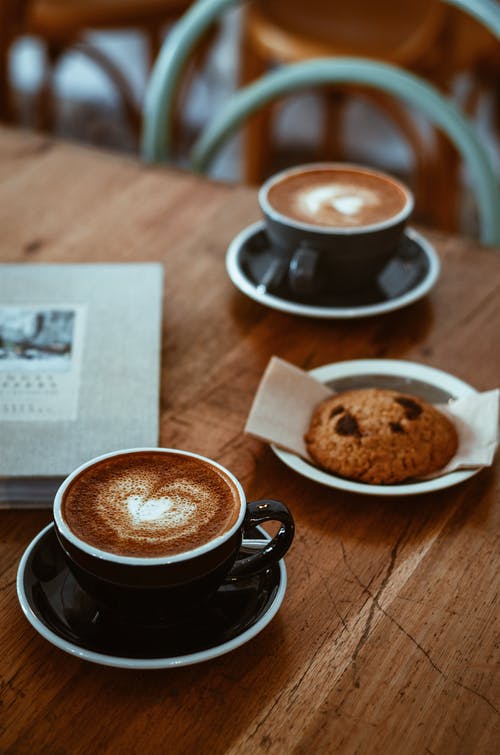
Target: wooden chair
{"x":62,"y":25}
{"x":427,"y":37}
{"x":160,"y":96}
{"x":11,"y":23}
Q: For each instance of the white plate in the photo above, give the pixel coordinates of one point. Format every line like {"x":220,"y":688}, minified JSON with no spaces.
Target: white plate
{"x":429,"y":383}
{"x":248,"y":287}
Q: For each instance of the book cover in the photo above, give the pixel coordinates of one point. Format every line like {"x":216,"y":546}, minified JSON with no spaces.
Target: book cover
{"x":79,"y":369}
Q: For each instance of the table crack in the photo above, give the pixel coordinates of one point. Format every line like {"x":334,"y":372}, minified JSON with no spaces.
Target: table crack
{"x":375,"y":598}
{"x":478,"y":694}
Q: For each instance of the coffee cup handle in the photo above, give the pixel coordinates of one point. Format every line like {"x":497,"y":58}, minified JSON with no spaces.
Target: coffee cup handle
{"x":273,"y":550}
{"x":302,"y":272}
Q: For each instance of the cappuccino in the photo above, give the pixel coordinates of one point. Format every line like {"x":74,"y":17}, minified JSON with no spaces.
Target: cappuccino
{"x":150,"y":504}
{"x":337,"y":197}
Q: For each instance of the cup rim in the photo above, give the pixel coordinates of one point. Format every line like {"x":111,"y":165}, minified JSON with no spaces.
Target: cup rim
{"x":115,"y":558}
{"x":279,"y":217}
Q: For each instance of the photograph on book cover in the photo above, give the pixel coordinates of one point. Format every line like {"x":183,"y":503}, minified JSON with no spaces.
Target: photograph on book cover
{"x":40,"y":361}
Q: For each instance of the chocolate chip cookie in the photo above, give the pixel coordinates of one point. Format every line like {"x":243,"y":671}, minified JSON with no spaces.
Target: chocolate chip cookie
{"x":380,"y":436}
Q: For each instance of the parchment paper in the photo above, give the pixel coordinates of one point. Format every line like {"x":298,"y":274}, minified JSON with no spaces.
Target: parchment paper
{"x":286,"y":397}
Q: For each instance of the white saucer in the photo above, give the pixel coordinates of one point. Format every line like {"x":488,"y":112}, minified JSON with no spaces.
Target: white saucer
{"x":62,"y":613}
{"x":429,"y":383}
{"x":423,"y":269}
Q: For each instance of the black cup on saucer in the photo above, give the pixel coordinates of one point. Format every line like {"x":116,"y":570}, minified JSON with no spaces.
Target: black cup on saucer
{"x":333,"y":227}
{"x":151,"y":534}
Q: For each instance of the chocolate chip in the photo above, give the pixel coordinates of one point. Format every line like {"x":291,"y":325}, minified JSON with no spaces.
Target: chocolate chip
{"x":412,"y":409}
{"x":347,"y":425}
{"x":33,"y":246}
{"x":396,"y":427}
{"x":335,"y":411}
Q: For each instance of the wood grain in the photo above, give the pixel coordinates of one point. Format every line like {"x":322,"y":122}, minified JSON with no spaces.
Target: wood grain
{"x":385,"y":642}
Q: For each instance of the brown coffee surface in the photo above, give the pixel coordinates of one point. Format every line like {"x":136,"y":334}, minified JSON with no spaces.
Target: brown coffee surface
{"x":150,"y":504}
{"x":337,"y":198}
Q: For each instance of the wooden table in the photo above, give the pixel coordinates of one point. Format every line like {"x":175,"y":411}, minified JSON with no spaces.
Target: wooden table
{"x":385,"y":642}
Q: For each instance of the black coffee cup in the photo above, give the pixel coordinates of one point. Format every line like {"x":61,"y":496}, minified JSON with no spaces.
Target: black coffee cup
{"x":167,"y":588}
{"x":332,"y":226}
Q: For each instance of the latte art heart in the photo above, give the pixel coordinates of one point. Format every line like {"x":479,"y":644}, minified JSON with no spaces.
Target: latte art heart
{"x":151,"y":503}
{"x":341,"y":198}
{"x":151,"y":510}
{"x":348,"y":205}
{"x":336,"y":197}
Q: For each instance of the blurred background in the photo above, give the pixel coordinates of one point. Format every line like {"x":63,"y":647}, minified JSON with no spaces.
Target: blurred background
{"x":79,"y":69}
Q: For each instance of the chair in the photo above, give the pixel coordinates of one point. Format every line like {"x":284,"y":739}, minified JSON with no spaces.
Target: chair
{"x":156,"y":139}
{"x":279,"y":32}
{"x":61,"y":24}
{"x":426,"y":37}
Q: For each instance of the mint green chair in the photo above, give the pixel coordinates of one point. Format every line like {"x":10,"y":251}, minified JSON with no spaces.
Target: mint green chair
{"x":156,"y":140}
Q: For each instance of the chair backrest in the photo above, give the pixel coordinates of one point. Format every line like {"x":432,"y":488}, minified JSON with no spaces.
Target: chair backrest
{"x":388,"y":30}
{"x":410,"y":88}
{"x":12,"y":14}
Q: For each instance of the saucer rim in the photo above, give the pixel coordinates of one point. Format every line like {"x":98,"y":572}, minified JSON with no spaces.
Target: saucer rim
{"x":242,"y":283}
{"x":391,"y":368}
{"x":106,"y":659}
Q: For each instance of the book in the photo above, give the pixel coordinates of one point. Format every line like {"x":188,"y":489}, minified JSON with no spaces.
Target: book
{"x":79,"y":370}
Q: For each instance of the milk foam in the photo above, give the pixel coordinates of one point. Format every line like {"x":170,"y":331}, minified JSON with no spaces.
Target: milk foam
{"x":336,"y":197}
{"x":151,"y":510}
{"x":348,"y":200}
{"x":150,"y":503}
{"x":132,"y":510}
